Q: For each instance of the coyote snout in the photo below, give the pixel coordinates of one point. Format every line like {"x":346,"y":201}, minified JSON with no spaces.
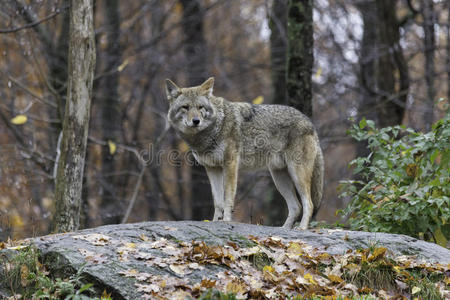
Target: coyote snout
{"x":195,"y":121}
{"x":228,"y":136}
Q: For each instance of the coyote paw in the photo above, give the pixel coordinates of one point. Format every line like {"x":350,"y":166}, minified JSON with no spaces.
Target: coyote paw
{"x":302,"y":227}
{"x":218,"y":217}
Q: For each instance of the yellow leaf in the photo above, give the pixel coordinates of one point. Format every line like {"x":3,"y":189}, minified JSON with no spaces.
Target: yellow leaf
{"x":112,"y":147}
{"x":24,"y":272}
{"x":295,"y":248}
{"x":415,"y":290}
{"x":236,"y":287}
{"x":19,"y":120}
{"x":258,"y":100}
{"x":105,"y":295}
{"x":335,"y":278}
{"x":318,"y":72}
{"x":377,"y":253}
{"x":123,"y":65}
{"x":269,"y":269}
{"x":130,"y":245}
{"x":310,"y":278}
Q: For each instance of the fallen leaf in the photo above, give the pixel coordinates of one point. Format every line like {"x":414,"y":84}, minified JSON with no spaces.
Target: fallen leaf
{"x":415,"y":290}
{"x":95,"y":239}
{"x":310,"y":278}
{"x":24,"y":273}
{"x":144,"y":237}
{"x":335,"y":278}
{"x":129,"y":273}
{"x":295,"y":248}
{"x":130,"y":245}
{"x":208,"y":283}
{"x":377,"y":253}
{"x":179,"y":269}
{"x":269,"y":269}
{"x":170,"y":228}
{"x":401,"y":284}
{"x":105,"y":295}
{"x":147,"y":288}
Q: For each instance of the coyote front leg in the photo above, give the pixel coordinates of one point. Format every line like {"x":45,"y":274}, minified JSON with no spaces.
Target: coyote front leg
{"x":215,"y":176}
{"x":230,"y":175}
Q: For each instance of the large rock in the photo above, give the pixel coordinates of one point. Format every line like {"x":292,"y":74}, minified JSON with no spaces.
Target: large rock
{"x":108,"y":250}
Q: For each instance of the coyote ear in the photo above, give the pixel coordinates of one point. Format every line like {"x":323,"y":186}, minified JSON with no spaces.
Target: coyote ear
{"x":172,"y":90}
{"x":207,"y":86}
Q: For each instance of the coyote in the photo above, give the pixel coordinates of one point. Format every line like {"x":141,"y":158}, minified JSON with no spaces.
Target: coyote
{"x":228,"y":136}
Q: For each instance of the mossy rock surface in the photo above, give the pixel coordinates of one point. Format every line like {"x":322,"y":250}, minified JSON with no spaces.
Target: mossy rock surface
{"x":102,"y":259}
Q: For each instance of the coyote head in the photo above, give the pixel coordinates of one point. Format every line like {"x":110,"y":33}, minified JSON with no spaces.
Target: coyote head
{"x":190,"y":110}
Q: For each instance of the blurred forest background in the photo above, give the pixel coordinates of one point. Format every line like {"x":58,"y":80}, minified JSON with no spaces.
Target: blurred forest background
{"x":384,"y":60}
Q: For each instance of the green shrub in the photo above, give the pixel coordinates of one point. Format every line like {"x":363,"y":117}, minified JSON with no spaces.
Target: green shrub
{"x":403,"y":185}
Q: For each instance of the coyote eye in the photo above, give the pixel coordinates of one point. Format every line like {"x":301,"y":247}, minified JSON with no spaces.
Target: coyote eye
{"x":201,"y":107}
{"x":186,"y":107}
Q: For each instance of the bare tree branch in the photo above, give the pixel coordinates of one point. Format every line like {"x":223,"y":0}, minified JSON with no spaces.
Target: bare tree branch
{"x":29,"y":25}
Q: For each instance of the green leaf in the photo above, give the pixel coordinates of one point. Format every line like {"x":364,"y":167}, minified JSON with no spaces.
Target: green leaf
{"x":362,"y":123}
{"x":84,"y":288}
{"x":434,"y":155}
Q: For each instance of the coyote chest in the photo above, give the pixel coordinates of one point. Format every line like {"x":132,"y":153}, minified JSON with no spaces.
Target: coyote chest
{"x":211,"y":158}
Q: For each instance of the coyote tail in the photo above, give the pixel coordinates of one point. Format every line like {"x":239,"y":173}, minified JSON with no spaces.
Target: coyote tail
{"x":317,"y":181}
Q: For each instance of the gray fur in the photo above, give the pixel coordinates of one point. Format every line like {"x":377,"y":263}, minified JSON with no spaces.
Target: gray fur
{"x":232,"y":136}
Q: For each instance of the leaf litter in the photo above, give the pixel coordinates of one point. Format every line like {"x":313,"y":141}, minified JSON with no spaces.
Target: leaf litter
{"x":273,"y":269}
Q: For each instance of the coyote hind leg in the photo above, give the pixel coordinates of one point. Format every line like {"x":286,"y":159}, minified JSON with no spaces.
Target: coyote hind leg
{"x":285,"y":186}
{"x":301,"y":176}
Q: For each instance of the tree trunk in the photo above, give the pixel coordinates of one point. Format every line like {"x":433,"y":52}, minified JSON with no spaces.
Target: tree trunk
{"x":275,"y":205}
{"x":278,"y":48}
{"x":195,"y":50}
{"x":392,"y":99}
{"x":368,"y":66}
{"x":300,"y":57}
{"x":81,"y":63}
{"x":429,"y":20}
{"x":110,"y":113}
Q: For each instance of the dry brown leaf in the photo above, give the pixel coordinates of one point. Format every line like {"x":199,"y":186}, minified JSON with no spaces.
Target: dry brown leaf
{"x":377,"y":253}
{"x":144,"y":237}
{"x":335,"y":278}
{"x":180,"y":269}
{"x":148,"y":288}
{"x":95,"y":239}
{"x":168,"y":228}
